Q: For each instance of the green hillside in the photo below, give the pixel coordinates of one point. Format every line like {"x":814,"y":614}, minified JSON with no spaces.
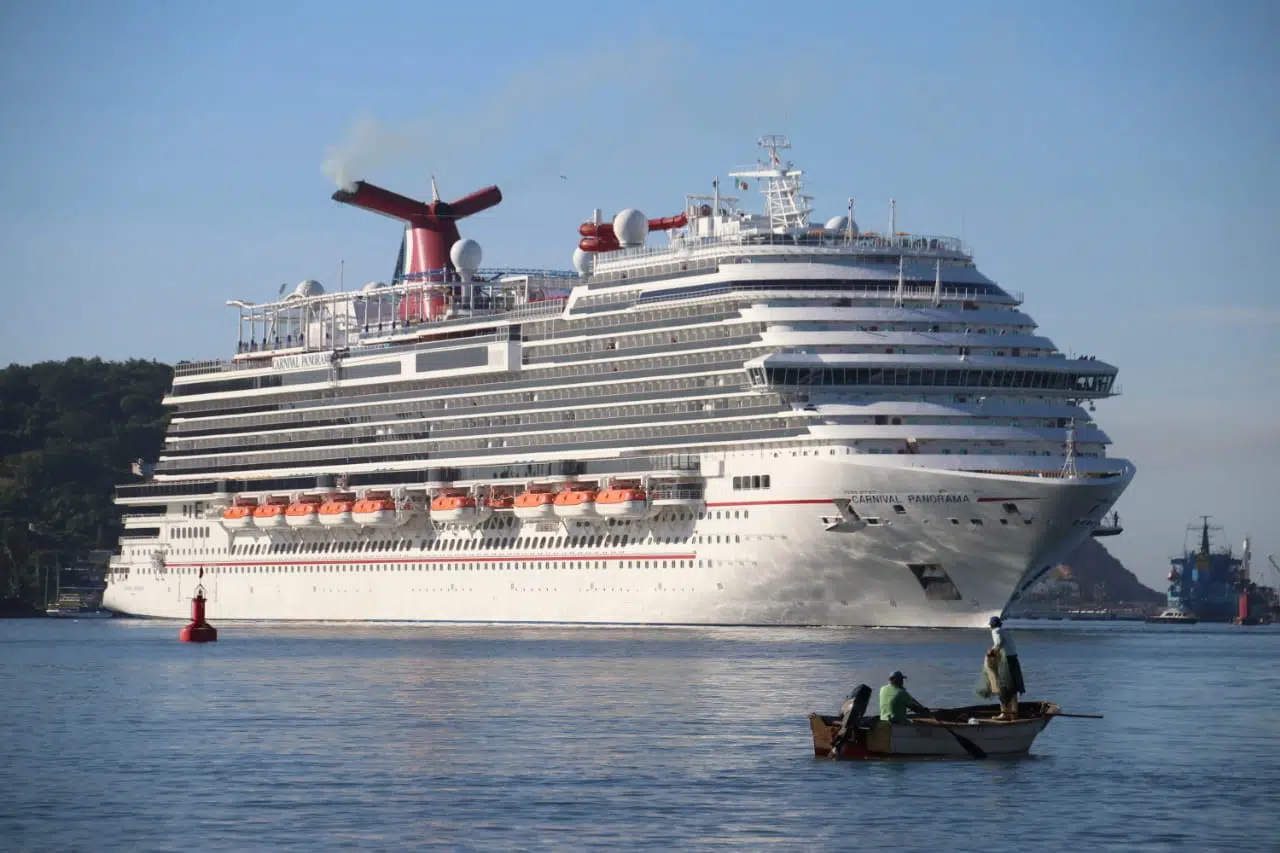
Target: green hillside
{"x":68,"y":433}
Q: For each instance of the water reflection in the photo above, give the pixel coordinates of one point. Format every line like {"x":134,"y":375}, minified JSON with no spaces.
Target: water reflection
{"x":322,"y":737}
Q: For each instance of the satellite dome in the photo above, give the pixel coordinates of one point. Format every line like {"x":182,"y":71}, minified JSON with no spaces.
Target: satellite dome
{"x":466,"y":255}
{"x":840,"y":223}
{"x":582,"y":262}
{"x":630,"y":226}
{"x":310,"y":287}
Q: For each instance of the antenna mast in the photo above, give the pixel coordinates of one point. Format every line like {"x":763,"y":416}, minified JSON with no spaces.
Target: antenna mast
{"x":1069,"y":470}
{"x":784,"y":205}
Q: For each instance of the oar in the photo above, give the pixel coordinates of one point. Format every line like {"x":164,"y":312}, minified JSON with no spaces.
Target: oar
{"x":969,"y":746}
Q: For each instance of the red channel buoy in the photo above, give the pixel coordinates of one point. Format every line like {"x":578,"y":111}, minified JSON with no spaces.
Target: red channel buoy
{"x":198,"y":630}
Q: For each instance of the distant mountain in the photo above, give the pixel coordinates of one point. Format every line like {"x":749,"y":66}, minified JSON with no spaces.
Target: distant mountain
{"x":1101,"y":579}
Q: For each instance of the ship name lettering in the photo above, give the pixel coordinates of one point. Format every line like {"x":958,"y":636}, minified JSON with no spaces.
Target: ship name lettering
{"x":311,"y":359}
{"x":910,"y":499}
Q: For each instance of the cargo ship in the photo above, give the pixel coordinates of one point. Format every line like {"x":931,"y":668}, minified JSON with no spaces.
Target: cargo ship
{"x":1213,"y":583}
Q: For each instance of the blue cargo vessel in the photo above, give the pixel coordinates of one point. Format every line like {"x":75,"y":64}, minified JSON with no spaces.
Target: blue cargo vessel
{"x":1213,"y":584}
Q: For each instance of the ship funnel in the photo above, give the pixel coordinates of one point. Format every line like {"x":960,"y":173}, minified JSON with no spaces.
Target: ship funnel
{"x":431,"y":229}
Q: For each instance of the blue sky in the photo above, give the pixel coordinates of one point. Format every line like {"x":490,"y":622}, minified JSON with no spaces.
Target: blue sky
{"x":1115,"y":161}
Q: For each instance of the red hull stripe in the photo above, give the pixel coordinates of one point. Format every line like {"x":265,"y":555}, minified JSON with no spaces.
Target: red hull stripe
{"x":1004,"y":500}
{"x":772,"y":503}
{"x":372,"y":558}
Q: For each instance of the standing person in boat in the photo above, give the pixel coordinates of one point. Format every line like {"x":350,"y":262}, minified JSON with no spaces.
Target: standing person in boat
{"x":1002,"y":641}
{"x":895,"y":701}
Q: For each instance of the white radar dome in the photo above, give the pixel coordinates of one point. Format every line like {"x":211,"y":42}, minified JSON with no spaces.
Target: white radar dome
{"x":582,"y":262}
{"x":840,"y":223}
{"x":630,"y":226}
{"x":310,"y":287}
{"x":466,"y":256}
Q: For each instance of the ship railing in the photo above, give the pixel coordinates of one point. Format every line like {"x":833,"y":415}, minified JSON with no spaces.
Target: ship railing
{"x":813,"y":240}
{"x":210,"y":365}
{"x":913,"y":293}
{"x":502,"y":293}
{"x":680,"y":491}
{"x":748,"y":246}
{"x":141,"y":517}
{"x":677,"y":462}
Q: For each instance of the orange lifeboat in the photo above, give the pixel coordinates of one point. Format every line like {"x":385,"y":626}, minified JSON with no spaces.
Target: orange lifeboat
{"x":305,"y":512}
{"x":271,"y":515}
{"x":576,"y":502}
{"x":376,"y":509}
{"x":622,"y":503}
{"x":336,"y":512}
{"x":458,"y":508}
{"x":531,"y":506}
{"x":239,"y":516}
{"x":501,"y":502}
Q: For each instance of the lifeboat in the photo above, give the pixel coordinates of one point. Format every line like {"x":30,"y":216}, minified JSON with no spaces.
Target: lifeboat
{"x":305,"y":512}
{"x":499,"y":503}
{"x":239,"y":516}
{"x":271,"y":515}
{"x":576,"y":503}
{"x":336,"y":512}
{"x":457,"y":509}
{"x":531,"y":506}
{"x":374,"y":510}
{"x":622,"y":503}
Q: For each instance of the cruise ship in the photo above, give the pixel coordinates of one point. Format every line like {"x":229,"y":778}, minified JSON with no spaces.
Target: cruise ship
{"x":717,"y":417}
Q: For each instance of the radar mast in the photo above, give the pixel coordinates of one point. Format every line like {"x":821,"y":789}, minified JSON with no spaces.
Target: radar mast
{"x":785,"y":206}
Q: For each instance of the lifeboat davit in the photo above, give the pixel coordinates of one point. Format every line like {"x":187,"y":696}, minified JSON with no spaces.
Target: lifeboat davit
{"x":460,"y":509}
{"x":239,"y":516}
{"x":531,"y":506}
{"x":576,"y":503}
{"x":271,"y":515}
{"x":336,"y":512}
{"x":304,"y":513}
{"x":622,"y":503}
{"x":374,"y":510}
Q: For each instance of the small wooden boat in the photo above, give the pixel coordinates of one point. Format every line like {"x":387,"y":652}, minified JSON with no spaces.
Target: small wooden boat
{"x":969,"y":732}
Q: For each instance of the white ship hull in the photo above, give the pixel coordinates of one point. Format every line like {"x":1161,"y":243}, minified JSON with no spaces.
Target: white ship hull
{"x":758,"y":558}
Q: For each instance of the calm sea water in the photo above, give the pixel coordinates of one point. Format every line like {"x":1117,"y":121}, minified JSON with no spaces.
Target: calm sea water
{"x":323,"y":737}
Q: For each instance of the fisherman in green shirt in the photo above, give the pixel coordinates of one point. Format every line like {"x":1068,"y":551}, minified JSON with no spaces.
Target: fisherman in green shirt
{"x":895,"y":701}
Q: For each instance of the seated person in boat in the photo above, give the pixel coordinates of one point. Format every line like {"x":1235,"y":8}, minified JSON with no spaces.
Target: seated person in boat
{"x":895,"y":701}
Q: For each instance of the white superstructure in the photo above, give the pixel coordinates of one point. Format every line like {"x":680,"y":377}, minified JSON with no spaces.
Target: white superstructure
{"x":760,"y":421}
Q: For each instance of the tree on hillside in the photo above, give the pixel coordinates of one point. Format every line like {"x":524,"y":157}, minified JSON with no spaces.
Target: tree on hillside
{"x":68,"y":433}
